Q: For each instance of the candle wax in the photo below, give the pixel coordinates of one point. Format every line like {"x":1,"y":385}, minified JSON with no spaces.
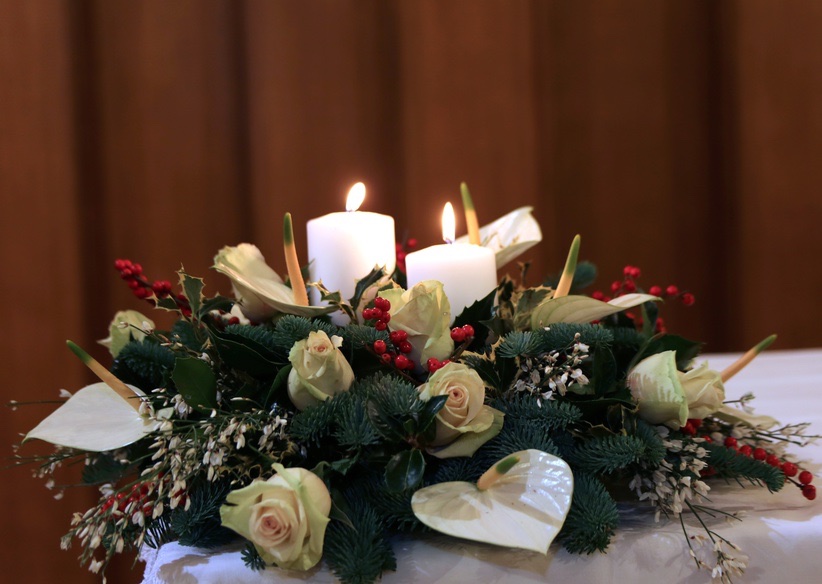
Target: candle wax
{"x":467,"y":272}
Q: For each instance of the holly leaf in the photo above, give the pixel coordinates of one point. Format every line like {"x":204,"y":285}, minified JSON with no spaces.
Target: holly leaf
{"x":404,"y":471}
{"x":193,"y":290}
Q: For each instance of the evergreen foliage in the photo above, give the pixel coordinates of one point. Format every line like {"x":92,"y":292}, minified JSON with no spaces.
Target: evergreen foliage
{"x":561,"y":335}
{"x":358,"y":553}
{"x":252,"y":558}
{"x":552,"y":414}
{"x":290,"y":329}
{"x":729,"y":464}
{"x":606,"y":454}
{"x":314,"y":422}
{"x":461,"y":469}
{"x":592,"y":519}
{"x":354,"y":428}
{"x":519,"y":343}
{"x":654,"y":449}
{"x":200,"y":525}
{"x":519,"y":434}
{"x":183,"y":332}
{"x":262,"y":336}
{"x":394,"y":507}
{"x":359,"y":335}
{"x":146,"y":365}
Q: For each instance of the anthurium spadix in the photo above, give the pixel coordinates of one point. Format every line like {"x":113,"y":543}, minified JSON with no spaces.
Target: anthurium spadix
{"x":95,"y":418}
{"x":521,"y":502}
{"x":509,"y":236}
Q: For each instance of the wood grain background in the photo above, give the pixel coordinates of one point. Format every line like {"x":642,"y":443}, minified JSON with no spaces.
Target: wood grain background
{"x":683,"y":137}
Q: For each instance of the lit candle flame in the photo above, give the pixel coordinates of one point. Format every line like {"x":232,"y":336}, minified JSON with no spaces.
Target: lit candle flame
{"x":356,"y":195}
{"x":449,"y":227}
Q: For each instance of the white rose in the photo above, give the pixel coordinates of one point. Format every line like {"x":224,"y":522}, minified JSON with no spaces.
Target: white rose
{"x":319,"y":370}
{"x":656,"y":387}
{"x":284,"y":517}
{"x":704,"y":391}
{"x":425,"y":314}
{"x":464,"y":411}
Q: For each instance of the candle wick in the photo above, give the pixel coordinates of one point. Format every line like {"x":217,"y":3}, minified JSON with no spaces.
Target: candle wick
{"x":449,"y":241}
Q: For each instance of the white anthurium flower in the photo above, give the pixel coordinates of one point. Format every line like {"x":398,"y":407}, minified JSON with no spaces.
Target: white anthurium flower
{"x":96,"y":418}
{"x":521,"y":502}
{"x":582,"y":309}
{"x":127,"y":325}
{"x":510,"y":236}
{"x":260,"y":290}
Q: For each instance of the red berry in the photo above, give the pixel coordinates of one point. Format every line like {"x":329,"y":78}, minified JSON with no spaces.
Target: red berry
{"x":126,"y":273}
{"x":597,"y":295}
{"x":628,"y":270}
{"x":376,"y":313}
{"x":382,"y":303}
{"x":119,"y":264}
{"x":760,"y":454}
{"x":688,"y":429}
{"x":380,"y":347}
{"x":141,"y":293}
{"x":405,"y":347}
{"x":688,"y":299}
{"x":696,"y":423}
{"x":809,"y":492}
{"x":381,"y":325}
{"x":411,"y":243}
{"x":655,"y":291}
{"x":401,"y":255}
{"x":233,"y":320}
{"x":629,"y":286}
{"x":458,"y":335}
{"x":366,"y":313}
{"x":137,"y":269}
{"x":386,"y":358}
{"x":615,"y":286}
{"x":433,"y":364}
{"x":398,"y":336}
{"x":134,"y":284}
{"x":635,"y":272}
{"x":671,"y":290}
{"x":401,"y":362}
{"x":386,"y":317}
{"x":805,"y":477}
{"x":773,"y":460}
{"x":468,"y":330}
{"x":790,"y":469}
{"x":707,"y":438}
{"x":730,"y":442}
{"x":746,"y":450}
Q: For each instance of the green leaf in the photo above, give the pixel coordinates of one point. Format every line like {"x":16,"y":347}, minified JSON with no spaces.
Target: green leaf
{"x":277,"y":386}
{"x":362,"y":285}
{"x":216,"y":303}
{"x":430,"y":411}
{"x":193,"y":290}
{"x":603,"y":377}
{"x":196,"y":382}
{"x":526,"y":303}
{"x":404,"y":470}
{"x":686,"y":351}
{"x":584,"y":276}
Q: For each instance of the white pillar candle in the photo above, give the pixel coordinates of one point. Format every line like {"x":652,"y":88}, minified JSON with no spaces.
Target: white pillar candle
{"x":344,"y":247}
{"x":468,"y":272}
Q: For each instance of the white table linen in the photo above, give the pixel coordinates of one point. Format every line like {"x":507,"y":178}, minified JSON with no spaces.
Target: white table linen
{"x":781,"y":533}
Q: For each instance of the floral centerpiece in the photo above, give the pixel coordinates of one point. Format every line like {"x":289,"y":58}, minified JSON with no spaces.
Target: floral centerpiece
{"x":515,"y":421}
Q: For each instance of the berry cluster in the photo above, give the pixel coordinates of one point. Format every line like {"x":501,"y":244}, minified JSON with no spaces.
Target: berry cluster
{"x":628,"y":285}
{"x":144,"y":290}
{"x":380,"y":313}
{"x":397,"y":353}
{"x":402,"y":251}
{"x":790,"y":469}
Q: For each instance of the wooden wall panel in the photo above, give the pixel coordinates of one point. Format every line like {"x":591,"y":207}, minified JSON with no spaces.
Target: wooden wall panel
{"x":778,"y":142}
{"x":681,"y":137}
{"x":322,"y":81}
{"x":170,"y":147}
{"x":468,"y":111}
{"x":41,"y":276}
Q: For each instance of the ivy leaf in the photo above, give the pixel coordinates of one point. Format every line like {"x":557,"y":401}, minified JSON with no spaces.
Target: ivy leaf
{"x":404,"y":470}
{"x":196,"y":382}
